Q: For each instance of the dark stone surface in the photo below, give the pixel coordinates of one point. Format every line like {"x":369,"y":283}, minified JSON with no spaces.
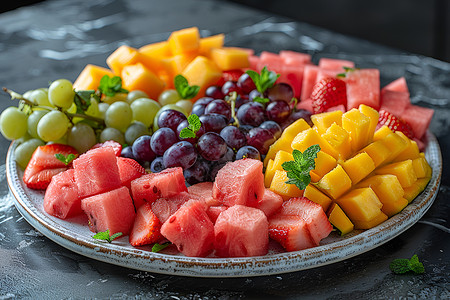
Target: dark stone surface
{"x":56,"y":39}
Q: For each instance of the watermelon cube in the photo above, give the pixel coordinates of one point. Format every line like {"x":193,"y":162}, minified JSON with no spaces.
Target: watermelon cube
{"x":112,"y":210}
{"x":214,"y":212}
{"x":129,"y":169}
{"x":335,"y":64}
{"x":419,"y":118}
{"x":295,"y":58}
{"x":270,"y":203}
{"x":363,"y":87}
{"x":309,"y":80}
{"x":203,"y":190}
{"x":61,"y":197}
{"x":190,"y":229}
{"x":394,"y":102}
{"x":165,"y":207}
{"x":253,"y":61}
{"x":398,"y":85}
{"x":292,"y":75}
{"x":96,"y":172}
{"x":241,"y":231}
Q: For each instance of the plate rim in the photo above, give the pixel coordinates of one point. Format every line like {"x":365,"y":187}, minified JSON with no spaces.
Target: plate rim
{"x":272,"y":264}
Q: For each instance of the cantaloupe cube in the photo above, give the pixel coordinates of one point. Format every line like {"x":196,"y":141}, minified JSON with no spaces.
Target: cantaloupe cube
{"x":202,"y":72}
{"x":378,"y":152}
{"x":210,"y":42}
{"x":89,"y":78}
{"x":175,"y":64}
{"x":324,"y":163}
{"x":395,"y":144}
{"x":283,"y":189}
{"x":309,"y":137}
{"x":151,"y":55}
{"x":358,"y":167}
{"x":230,"y":58}
{"x":269,"y":173}
{"x":373,"y":116}
{"x":380,"y":218}
{"x":415,"y":189}
{"x":360,"y":204}
{"x":339,"y":219}
{"x":357,"y":126}
{"x":403,"y":170}
{"x":335,"y":183}
{"x":381,"y":133}
{"x":184,"y":40}
{"x":324,"y":120}
{"x":121,"y":57}
{"x":339,"y":139}
{"x":411,"y":151}
{"x":138,"y":77}
{"x":317,"y":196}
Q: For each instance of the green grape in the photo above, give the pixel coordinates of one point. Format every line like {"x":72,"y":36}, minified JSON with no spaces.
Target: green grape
{"x":61,"y":93}
{"x":33,"y":120}
{"x":117,"y":97}
{"x":27,"y":94}
{"x":13,"y":123}
{"x":144,"y":110}
{"x":82,"y":137}
{"x":102,"y":108}
{"x":24,"y":151}
{"x":93,"y":109}
{"x":136,"y":94}
{"x":114,"y":134}
{"x":168,"y":106}
{"x":53,"y":126}
{"x":118,"y":115}
{"x":24,"y":138}
{"x":39,"y":97}
{"x":135,"y":130}
{"x":186,"y":105}
{"x":168,"y":97}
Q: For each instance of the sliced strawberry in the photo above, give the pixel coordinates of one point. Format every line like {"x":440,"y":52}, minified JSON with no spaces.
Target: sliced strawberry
{"x":327,"y":93}
{"x":36,"y":175}
{"x":394,"y":123}
{"x":116,"y":146}
{"x":291,"y":232}
{"x":230,"y":75}
{"x":129,"y":169}
{"x":147,"y":227}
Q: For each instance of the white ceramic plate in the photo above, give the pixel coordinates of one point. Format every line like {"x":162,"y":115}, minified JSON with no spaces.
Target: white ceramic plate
{"x":74,"y":235}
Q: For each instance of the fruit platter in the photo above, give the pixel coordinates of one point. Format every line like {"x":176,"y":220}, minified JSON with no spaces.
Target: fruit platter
{"x":192,"y":158}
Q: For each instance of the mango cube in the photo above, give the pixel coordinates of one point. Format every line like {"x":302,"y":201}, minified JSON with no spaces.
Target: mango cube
{"x":404,"y":171}
{"x":411,"y":151}
{"x":202,"y":72}
{"x":421,"y":167}
{"x":339,"y":219}
{"x":381,"y":133}
{"x":415,"y":189}
{"x":358,"y":167}
{"x":279,"y":186}
{"x":339,"y":139}
{"x":295,"y":128}
{"x":230,"y":58}
{"x":184,"y":40}
{"x":210,"y":42}
{"x":378,"y":152}
{"x":395,"y":144}
{"x":335,"y":183}
{"x":324,"y":163}
{"x":373,"y":116}
{"x":324,"y":120}
{"x":380,"y":218}
{"x":89,"y":78}
{"x":121,"y":57}
{"x":309,"y":137}
{"x":360,"y":204}
{"x":358,"y":126}
{"x":317,"y":196}
{"x":138,"y":77}
{"x":269,"y":173}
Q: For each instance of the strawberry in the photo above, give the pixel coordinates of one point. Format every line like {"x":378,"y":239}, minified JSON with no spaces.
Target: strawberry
{"x":44,"y":165}
{"x":230,"y":75}
{"x":147,"y":227}
{"x":327,"y":93}
{"x":129,"y":169}
{"x":291,"y":232}
{"x":394,"y":123}
{"x":116,"y":146}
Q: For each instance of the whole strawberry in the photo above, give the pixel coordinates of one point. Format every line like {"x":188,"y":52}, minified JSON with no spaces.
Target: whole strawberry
{"x":327,"y":93}
{"x":394,"y":123}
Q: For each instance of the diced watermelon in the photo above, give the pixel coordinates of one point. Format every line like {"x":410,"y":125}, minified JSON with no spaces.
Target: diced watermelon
{"x":240,"y":182}
{"x":363,"y":87}
{"x":203,"y":190}
{"x":325,"y":73}
{"x":271,"y":202}
{"x":112,"y":210}
{"x":309,"y":80}
{"x":292,"y":75}
{"x":241,"y":231}
{"x":111,"y":143}
{"x":398,"y":85}
{"x":395,"y":102}
{"x":292,"y":57}
{"x":270,"y":60}
{"x":96,"y":172}
{"x":253,"y":61}
{"x":335,"y":64}
{"x":146,"y":227}
{"x":61,"y":197}
{"x":291,"y":232}
{"x":214,"y":212}
{"x":419,"y":118}
{"x":150,"y":187}
{"x":129,"y":169}
{"x":190,"y":229}
{"x":165,"y":207}
{"x":340,"y":107}
{"x":306,"y":104}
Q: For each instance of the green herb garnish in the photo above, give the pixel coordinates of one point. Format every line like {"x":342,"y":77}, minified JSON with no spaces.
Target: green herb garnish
{"x":184,"y":89}
{"x":298,"y":169}
{"x":82,"y":100}
{"x":105,"y":236}
{"x":403,"y":265}
{"x":194,"y":125}
{"x":111,"y":85}
{"x":158,"y":247}
{"x":346,"y":70}
{"x":262,"y":82}
{"x":65,"y":159}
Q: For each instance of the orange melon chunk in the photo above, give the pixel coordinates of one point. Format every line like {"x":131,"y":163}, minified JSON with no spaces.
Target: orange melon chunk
{"x":121,"y":57}
{"x":89,"y":78}
{"x":184,"y":40}
{"x":210,"y":42}
{"x":202,"y":72}
{"x":230,"y":58}
{"x":138,"y":77}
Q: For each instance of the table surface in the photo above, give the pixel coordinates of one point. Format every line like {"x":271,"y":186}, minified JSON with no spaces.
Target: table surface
{"x":56,"y":39}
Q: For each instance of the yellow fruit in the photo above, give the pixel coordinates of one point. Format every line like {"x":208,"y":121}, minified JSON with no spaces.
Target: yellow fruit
{"x":403,"y":170}
{"x":324,"y":120}
{"x":421,"y":167}
{"x":89,"y":78}
{"x":357,"y":126}
{"x":373,"y":116}
{"x":309,"y":137}
{"x":378,"y":152}
{"x":184,"y":40}
{"x":202,"y":72}
{"x":138,"y":77}
{"x":415,"y":189}
{"x":410,"y":152}
{"x":230,"y":58}
{"x":360,"y":204}
{"x":335,"y":183}
{"x":358,"y":167}
{"x":380,"y":218}
{"x":395,"y":144}
{"x":280,"y":158}
{"x":210,"y":42}
{"x":381,"y":133}
{"x":324,"y":163}
{"x":317,"y":196}
{"x":339,"y":219}
{"x":121,"y":57}
{"x":283,"y":189}
{"x":339,"y":139}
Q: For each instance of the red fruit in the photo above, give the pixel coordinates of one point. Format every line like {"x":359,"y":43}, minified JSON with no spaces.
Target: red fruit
{"x":61,"y":197}
{"x":327,"y":93}
{"x":394,"y":123}
{"x":230,"y":75}
{"x":146,"y":228}
{"x":129,"y":169}
{"x":291,"y":232}
{"x":115,"y":145}
{"x":44,"y":165}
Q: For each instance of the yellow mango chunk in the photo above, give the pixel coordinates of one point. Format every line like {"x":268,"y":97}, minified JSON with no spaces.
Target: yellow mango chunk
{"x":210,"y":42}
{"x":358,"y":167}
{"x":295,"y":128}
{"x":360,"y":204}
{"x":89,"y":78}
{"x":381,"y":133}
{"x":335,"y":183}
{"x":339,"y":219}
{"x":421,"y":167}
{"x":279,"y":186}
{"x":339,"y":139}
{"x":429,"y":170}
{"x":138,"y":77}
{"x":380,"y":218}
{"x":269,"y":173}
{"x":121,"y":57}
{"x":395,"y":144}
{"x":324,"y":120}
{"x":309,"y":137}
{"x":403,"y":170}
{"x":415,"y":189}
{"x":357,"y":126}
{"x":378,"y":152}
{"x":317,"y":196}
{"x":230,"y":58}
{"x":324,"y":163}
{"x":202,"y":72}
{"x":184,"y":40}
{"x":411,"y":151}
{"x":373,"y":116}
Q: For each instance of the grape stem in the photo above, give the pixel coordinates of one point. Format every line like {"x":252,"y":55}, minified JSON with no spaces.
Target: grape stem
{"x":232,"y":99}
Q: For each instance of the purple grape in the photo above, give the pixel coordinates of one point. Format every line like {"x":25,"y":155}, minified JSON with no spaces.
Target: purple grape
{"x":213,"y":122}
{"x":251,"y":113}
{"x":278,"y":111}
{"x":215,"y":92}
{"x":204,"y":101}
{"x":229,"y":87}
{"x":261,"y":139}
{"x":142,"y":150}
{"x":162,"y":139}
{"x":253,"y":94}
{"x":240,"y":100}
{"x":193,"y":141}
{"x":299,"y":114}
{"x":127,"y":152}
{"x":157,"y":165}
{"x":229,"y":156}
{"x":181,"y":154}
{"x":198,"y":110}
{"x":170,"y":118}
{"x":245,"y":129}
{"x":198,"y":172}
{"x":273,"y":127}
{"x":220,"y":107}
{"x":211,"y":146}
{"x":248,"y":152}
{"x":245,"y":83}
{"x":280,"y":91}
{"x":234,"y":137}
{"x":214,"y":169}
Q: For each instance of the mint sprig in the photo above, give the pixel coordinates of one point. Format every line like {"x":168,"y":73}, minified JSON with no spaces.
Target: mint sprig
{"x":82,"y":100}
{"x":65,"y":159}
{"x":184,"y":89}
{"x":158,"y":247}
{"x":106,"y":236}
{"x":403,"y":265}
{"x":194,"y":125}
{"x":111,"y":85}
{"x":298,"y":169}
{"x":262,"y":82}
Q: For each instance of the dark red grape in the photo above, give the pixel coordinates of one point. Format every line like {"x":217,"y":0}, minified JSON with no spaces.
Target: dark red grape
{"x":170,"y":118}
{"x":211,"y":146}
{"x":213,"y":122}
{"x":229,"y":156}
{"x":280,"y":91}
{"x":261,"y":139}
{"x":230,"y":86}
{"x":248,"y":152}
{"x":245,"y":83}
{"x":251,"y":113}
{"x":185,"y":124}
{"x":215,"y":92}
{"x":234,"y":137}
{"x":162,"y":139}
{"x":142,"y":150}
{"x":157,"y":165}
{"x":253,"y":94}
{"x":240,"y":100}
{"x":199,"y":106}
{"x":220,"y":107}
{"x":127,"y":152}
{"x":273,"y":127}
{"x":245,"y":129}
{"x":181,"y":154}
{"x":278,"y":111}
{"x":204,"y":101}
{"x":198,"y":172}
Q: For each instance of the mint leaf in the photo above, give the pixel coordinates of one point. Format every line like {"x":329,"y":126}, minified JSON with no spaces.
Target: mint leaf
{"x":184,"y":89}
{"x":111,"y":85}
{"x":261,"y":100}
{"x":416,"y":265}
{"x":82,"y":100}
{"x":187,"y":133}
{"x":105,"y":236}
{"x":262,"y":82}
{"x":65,"y":159}
{"x":194,"y":125}
{"x":298,"y":170}
{"x":403,"y":265}
{"x":158,"y":247}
